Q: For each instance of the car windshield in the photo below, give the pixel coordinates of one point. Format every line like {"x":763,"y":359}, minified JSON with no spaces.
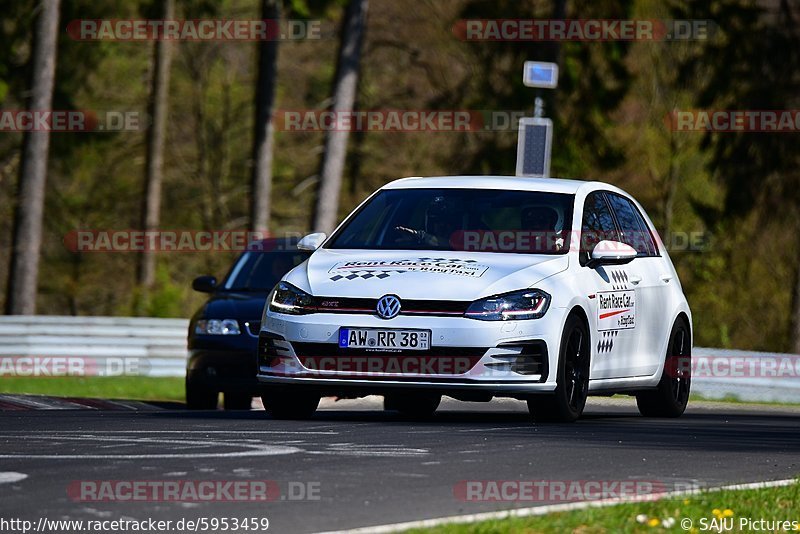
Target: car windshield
{"x":477,"y":220}
{"x":260,"y":271}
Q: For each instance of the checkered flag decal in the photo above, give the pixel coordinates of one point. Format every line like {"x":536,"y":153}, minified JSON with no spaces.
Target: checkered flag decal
{"x":619,"y":280}
{"x":365,"y":275}
{"x":606,"y":343}
{"x":447,"y":260}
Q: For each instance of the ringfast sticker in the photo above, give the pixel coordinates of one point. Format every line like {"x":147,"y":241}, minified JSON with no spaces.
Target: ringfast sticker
{"x":616,"y":310}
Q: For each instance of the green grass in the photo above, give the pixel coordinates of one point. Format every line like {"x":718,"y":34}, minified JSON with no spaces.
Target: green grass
{"x":769,"y":504}
{"x":121,"y":387}
{"x":727,"y":399}
{"x":734,"y":399}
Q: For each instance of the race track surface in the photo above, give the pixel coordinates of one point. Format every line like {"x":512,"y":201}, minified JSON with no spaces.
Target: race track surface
{"x":369,"y":467}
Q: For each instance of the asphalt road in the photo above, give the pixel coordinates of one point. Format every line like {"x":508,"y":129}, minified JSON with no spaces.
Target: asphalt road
{"x":367,"y":467}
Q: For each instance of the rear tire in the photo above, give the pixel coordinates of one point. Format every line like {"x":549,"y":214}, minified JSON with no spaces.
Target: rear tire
{"x":671,"y":396}
{"x":416,"y":406}
{"x":567,"y":402}
{"x":237,"y":401}
{"x":199,"y":396}
{"x":283,"y":405}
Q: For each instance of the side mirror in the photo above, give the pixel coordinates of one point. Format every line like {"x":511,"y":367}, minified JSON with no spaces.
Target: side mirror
{"x":312,"y":241}
{"x":611,"y":253}
{"x":205,"y":284}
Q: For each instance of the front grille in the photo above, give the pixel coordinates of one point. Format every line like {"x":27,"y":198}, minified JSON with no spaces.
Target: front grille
{"x":437,"y":361}
{"x":268,"y":350}
{"x":528,"y":358}
{"x":446,"y":308}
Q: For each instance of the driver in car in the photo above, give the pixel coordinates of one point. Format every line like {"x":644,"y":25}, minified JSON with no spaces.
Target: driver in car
{"x":541,"y":222}
{"x":442,"y":220}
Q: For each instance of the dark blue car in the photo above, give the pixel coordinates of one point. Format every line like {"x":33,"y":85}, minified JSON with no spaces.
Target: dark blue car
{"x":223,"y":334}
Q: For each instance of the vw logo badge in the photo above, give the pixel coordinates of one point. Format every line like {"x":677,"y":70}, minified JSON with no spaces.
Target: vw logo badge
{"x":388,"y":307}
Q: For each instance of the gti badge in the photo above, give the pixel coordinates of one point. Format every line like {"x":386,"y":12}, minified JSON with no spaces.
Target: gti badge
{"x":388,"y":307}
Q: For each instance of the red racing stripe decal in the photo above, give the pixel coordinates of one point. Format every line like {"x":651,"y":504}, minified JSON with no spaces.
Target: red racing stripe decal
{"x":611,"y":314}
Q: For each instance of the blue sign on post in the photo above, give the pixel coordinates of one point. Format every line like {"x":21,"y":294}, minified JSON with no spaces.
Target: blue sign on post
{"x":540,"y":74}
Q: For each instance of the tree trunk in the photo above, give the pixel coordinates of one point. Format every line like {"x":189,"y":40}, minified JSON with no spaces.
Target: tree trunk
{"x":157,"y":109}
{"x":344,"y":95}
{"x":553,"y":53}
{"x":261,"y":181}
{"x":27,"y":240}
{"x":795,"y":322}
{"x":553,"y":48}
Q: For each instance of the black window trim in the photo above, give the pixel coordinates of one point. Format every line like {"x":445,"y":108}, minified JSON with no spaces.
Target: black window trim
{"x":606,"y":195}
{"x":583,"y":259}
{"x":345,"y":223}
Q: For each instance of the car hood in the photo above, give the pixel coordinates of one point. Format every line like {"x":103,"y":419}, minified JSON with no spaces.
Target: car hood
{"x":225,"y":305}
{"x":426,"y":275}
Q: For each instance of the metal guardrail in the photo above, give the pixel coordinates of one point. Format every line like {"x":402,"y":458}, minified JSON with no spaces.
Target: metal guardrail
{"x":746,"y":375}
{"x":159,"y":347}
{"x":154,"y":347}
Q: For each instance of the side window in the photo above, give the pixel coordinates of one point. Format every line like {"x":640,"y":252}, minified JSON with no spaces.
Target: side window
{"x":597,"y":224}
{"x":634,"y":229}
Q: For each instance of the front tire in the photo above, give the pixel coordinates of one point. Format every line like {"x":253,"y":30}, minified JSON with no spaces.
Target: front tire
{"x":567,"y":402}
{"x":671,"y":396}
{"x":199,"y":396}
{"x":283,"y":405}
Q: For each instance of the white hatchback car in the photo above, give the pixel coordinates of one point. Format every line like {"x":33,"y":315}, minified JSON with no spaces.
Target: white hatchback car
{"x":545,"y":290}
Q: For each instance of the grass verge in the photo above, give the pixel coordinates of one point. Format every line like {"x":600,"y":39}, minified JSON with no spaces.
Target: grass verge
{"x":734,"y":399}
{"x":120,"y":387}
{"x":741,"y":511}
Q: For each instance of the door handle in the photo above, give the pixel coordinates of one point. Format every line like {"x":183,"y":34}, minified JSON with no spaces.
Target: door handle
{"x":666,"y":278}
{"x":634,"y":279}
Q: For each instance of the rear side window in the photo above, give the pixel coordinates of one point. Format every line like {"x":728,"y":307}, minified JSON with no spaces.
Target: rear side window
{"x":632,"y":225}
{"x":597,"y":224}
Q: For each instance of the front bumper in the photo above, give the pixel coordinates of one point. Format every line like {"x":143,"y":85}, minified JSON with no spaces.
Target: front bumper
{"x":510,"y":358}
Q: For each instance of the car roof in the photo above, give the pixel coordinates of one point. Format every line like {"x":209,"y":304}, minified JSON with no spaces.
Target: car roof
{"x":519,"y":183}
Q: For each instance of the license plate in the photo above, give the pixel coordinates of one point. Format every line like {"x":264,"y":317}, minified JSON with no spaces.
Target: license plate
{"x":374,"y":338}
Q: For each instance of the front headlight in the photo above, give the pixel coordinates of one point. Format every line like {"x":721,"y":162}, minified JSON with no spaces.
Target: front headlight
{"x":218,"y":327}
{"x":286,"y":298}
{"x":525,"y":304}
